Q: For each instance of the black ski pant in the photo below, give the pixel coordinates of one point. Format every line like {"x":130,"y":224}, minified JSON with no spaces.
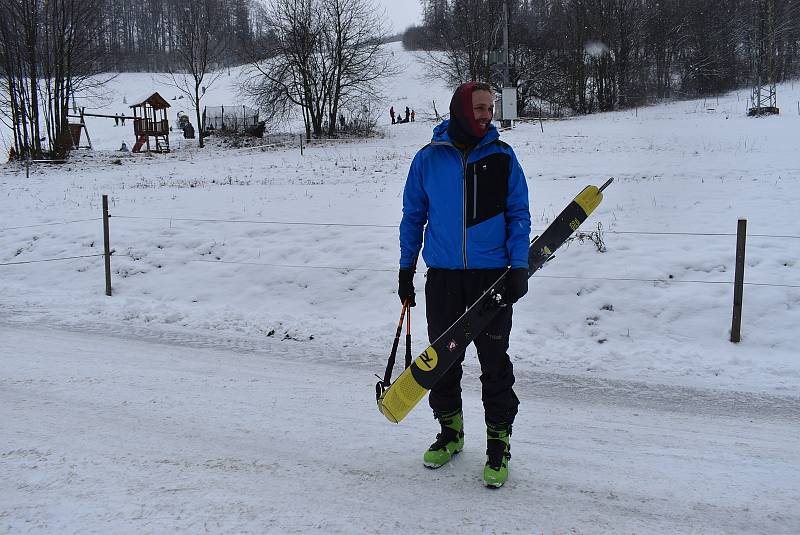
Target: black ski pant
{"x":448,"y":293}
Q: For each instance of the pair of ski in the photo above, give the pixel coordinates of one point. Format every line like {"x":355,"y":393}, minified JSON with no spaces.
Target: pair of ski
{"x":395,"y":400}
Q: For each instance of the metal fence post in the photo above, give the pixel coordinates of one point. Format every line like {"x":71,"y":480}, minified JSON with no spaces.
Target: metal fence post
{"x":106,"y":245}
{"x":738,"y":281}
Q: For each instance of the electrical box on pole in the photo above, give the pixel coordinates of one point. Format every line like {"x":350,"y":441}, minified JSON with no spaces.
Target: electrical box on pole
{"x":509,"y":108}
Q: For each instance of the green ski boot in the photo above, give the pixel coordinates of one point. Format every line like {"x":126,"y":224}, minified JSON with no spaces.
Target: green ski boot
{"x":449,"y":442}
{"x":498,"y":452}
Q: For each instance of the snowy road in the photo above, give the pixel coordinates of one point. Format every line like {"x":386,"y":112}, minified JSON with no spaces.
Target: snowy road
{"x":113,"y":435}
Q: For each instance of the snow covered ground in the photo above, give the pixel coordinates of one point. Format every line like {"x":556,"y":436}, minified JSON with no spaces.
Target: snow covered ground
{"x":250,"y":283}
{"x":112,"y":434}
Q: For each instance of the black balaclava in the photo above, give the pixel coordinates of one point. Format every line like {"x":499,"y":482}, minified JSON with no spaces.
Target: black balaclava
{"x":463,"y":128}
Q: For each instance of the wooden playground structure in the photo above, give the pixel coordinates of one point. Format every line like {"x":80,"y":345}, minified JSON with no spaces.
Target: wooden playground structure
{"x":149,"y":121}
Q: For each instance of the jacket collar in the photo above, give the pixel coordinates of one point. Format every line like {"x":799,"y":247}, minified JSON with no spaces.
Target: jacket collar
{"x":440,"y":135}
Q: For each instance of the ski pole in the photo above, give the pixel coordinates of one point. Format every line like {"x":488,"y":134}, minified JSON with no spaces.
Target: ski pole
{"x":381,"y":385}
{"x":408,"y":339}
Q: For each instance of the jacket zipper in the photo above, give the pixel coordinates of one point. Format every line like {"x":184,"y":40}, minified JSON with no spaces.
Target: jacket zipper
{"x":464,"y":158}
{"x":474,"y":192}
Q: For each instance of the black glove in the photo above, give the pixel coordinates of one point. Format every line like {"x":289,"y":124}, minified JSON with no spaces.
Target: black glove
{"x":405,"y":286}
{"x":516,"y":285}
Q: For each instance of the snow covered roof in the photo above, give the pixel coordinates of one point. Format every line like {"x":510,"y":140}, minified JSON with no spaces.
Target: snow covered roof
{"x":154,"y":99}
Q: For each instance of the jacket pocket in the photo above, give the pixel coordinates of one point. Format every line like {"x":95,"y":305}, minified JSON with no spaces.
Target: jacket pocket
{"x":487,"y":188}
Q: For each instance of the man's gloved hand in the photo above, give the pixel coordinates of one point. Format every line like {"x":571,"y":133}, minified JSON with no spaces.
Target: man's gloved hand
{"x":516,"y":285}
{"x":405,"y":286}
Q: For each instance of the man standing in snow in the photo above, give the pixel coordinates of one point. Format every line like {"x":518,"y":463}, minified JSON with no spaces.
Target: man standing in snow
{"x":469,"y":189}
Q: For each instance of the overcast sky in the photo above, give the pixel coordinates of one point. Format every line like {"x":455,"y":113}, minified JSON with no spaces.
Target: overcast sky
{"x":401,"y":13}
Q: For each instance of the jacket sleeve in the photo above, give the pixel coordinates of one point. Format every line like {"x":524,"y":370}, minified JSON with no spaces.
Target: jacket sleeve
{"x":518,"y":216}
{"x":415,"y":215}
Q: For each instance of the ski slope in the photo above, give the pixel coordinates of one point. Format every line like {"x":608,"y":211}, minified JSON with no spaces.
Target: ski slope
{"x":248,"y":283}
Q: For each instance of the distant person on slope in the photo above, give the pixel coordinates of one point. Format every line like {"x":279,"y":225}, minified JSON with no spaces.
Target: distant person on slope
{"x":391,"y":113}
{"x":469,"y":189}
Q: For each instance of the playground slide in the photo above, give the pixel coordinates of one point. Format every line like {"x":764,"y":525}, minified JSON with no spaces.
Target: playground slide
{"x":139,"y":143}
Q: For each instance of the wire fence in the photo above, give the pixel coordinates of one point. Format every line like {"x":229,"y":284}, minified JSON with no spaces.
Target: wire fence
{"x":371,"y":225}
{"x":397,"y":225}
{"x":387,"y":226}
{"x":392,"y":270}
{"x":49,"y":259}
{"x":54,"y":223}
{"x":256,"y":222}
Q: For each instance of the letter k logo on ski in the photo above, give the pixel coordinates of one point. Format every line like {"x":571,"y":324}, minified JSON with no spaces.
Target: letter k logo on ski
{"x":428,"y":360}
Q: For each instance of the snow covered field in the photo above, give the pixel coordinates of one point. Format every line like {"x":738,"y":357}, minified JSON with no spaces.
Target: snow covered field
{"x":245,"y":279}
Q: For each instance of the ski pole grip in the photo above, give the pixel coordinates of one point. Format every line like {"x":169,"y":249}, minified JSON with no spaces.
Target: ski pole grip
{"x":604,"y":186}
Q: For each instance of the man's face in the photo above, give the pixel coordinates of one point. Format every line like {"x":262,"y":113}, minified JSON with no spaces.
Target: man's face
{"x":483,"y":108}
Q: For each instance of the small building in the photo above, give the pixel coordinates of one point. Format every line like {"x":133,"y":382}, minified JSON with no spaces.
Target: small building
{"x":150,"y":120}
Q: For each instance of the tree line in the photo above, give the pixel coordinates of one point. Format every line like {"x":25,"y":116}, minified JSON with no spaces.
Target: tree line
{"x":144,"y":35}
{"x":582,"y":56}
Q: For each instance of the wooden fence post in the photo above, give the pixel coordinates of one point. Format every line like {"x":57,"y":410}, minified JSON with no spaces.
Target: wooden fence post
{"x":106,"y":245}
{"x":738,"y":281}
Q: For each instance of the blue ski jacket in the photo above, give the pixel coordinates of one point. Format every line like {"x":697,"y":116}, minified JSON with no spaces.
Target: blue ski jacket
{"x":471,"y":208}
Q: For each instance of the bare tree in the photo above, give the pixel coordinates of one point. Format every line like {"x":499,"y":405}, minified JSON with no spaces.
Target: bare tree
{"x":69,"y":63}
{"x":19,"y":29}
{"x":281,"y":76}
{"x":464,"y":38}
{"x":317,"y":55}
{"x":46,"y":56}
{"x":354,"y":40}
{"x":197,"y":52}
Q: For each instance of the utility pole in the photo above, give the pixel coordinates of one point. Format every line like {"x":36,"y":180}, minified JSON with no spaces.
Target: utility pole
{"x":509,"y":94}
{"x":505,"y":43}
{"x":763,"y":99}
